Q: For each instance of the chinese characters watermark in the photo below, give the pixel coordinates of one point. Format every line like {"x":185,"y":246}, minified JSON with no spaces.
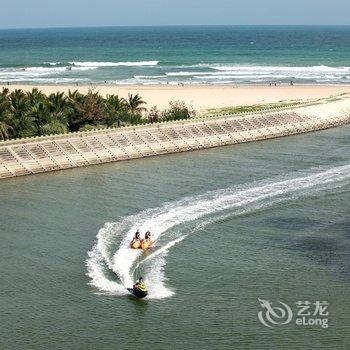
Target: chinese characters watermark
{"x":304,"y":313}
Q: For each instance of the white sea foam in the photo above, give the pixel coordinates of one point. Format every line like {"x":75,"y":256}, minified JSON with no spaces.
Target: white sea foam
{"x":238,"y":76}
{"x":194,"y":74}
{"x":257,"y":68}
{"x":186,"y":74}
{"x":263,"y":73}
{"x":45,"y":80}
{"x":252,"y":73}
{"x":26,"y":72}
{"x":139,"y":81}
{"x":173,"y":222}
{"x":45,"y":70}
{"x":40,"y":74}
{"x":114,"y":64}
{"x":149,"y":76}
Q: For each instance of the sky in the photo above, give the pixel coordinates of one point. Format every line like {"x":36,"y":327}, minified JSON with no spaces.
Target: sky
{"x":81,"y":13}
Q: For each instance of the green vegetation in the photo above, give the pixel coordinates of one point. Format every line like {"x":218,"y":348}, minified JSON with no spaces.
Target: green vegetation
{"x":26,"y":114}
{"x":252,"y":108}
{"x":177,"y":111}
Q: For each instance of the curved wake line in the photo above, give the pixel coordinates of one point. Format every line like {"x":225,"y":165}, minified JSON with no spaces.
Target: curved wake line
{"x":112,"y":264}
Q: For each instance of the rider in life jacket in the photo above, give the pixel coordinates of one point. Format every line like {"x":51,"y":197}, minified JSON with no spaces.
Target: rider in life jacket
{"x":136,"y":242}
{"x":147,"y":242}
{"x":140,"y":288}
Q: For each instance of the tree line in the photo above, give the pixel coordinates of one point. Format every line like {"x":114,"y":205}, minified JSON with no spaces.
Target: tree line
{"x":32,"y":113}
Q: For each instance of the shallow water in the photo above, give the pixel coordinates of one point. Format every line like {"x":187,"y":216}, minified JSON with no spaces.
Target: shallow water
{"x":266,"y":220}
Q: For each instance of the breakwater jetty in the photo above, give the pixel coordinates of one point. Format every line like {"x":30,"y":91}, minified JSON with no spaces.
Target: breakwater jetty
{"x":50,"y":153}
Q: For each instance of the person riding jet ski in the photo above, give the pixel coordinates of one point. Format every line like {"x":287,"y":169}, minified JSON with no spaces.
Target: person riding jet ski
{"x":140,"y":289}
{"x":136,"y":242}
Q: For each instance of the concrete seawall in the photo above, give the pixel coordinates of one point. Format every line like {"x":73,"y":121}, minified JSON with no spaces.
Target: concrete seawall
{"x":36,"y":155}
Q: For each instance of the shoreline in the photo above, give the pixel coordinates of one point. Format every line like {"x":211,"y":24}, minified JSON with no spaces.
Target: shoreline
{"x":59,"y":152}
{"x":203,"y":97}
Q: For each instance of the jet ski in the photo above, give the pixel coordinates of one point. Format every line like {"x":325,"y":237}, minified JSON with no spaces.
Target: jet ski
{"x":137,"y":293}
{"x":139,"y":290}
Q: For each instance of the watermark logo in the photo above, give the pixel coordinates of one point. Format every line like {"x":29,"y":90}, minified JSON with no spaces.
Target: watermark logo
{"x":306,"y":313}
{"x":274,"y":315}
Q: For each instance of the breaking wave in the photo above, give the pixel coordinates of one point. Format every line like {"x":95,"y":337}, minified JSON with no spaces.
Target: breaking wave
{"x":214,"y":73}
{"x":42,"y":74}
{"x":62,"y":70}
{"x":112,"y":266}
{"x":153,"y":72}
{"x":114,"y":64}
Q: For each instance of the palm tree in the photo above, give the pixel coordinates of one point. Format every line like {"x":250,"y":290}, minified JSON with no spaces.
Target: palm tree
{"x":76,"y":102}
{"x":57,"y":102}
{"x":5,"y":131}
{"x":35,"y":96}
{"x":134,"y":103}
{"x":5,"y":115}
{"x":19,"y":102}
{"x":59,"y":107}
{"x":22,"y":123}
{"x":4,"y":94}
{"x":32,"y":113}
{"x":115,"y":109}
{"x":40,"y":115}
{"x":87,"y":109}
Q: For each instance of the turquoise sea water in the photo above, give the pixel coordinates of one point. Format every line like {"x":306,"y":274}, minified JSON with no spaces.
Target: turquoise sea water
{"x":170,"y":55}
{"x":266,"y":220}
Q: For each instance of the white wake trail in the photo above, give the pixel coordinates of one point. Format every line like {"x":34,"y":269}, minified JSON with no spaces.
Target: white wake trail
{"x":111,"y":253}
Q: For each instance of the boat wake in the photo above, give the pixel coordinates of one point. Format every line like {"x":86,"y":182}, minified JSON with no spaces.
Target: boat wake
{"x":112,"y":266}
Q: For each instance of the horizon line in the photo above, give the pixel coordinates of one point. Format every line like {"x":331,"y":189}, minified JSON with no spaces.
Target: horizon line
{"x":177,"y":25}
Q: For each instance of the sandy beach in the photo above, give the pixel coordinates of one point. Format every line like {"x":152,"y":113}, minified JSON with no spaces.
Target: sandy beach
{"x":204,"y":97}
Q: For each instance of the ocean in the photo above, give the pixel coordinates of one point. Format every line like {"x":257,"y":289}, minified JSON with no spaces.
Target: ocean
{"x":176,"y":55}
{"x":237,"y":228}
